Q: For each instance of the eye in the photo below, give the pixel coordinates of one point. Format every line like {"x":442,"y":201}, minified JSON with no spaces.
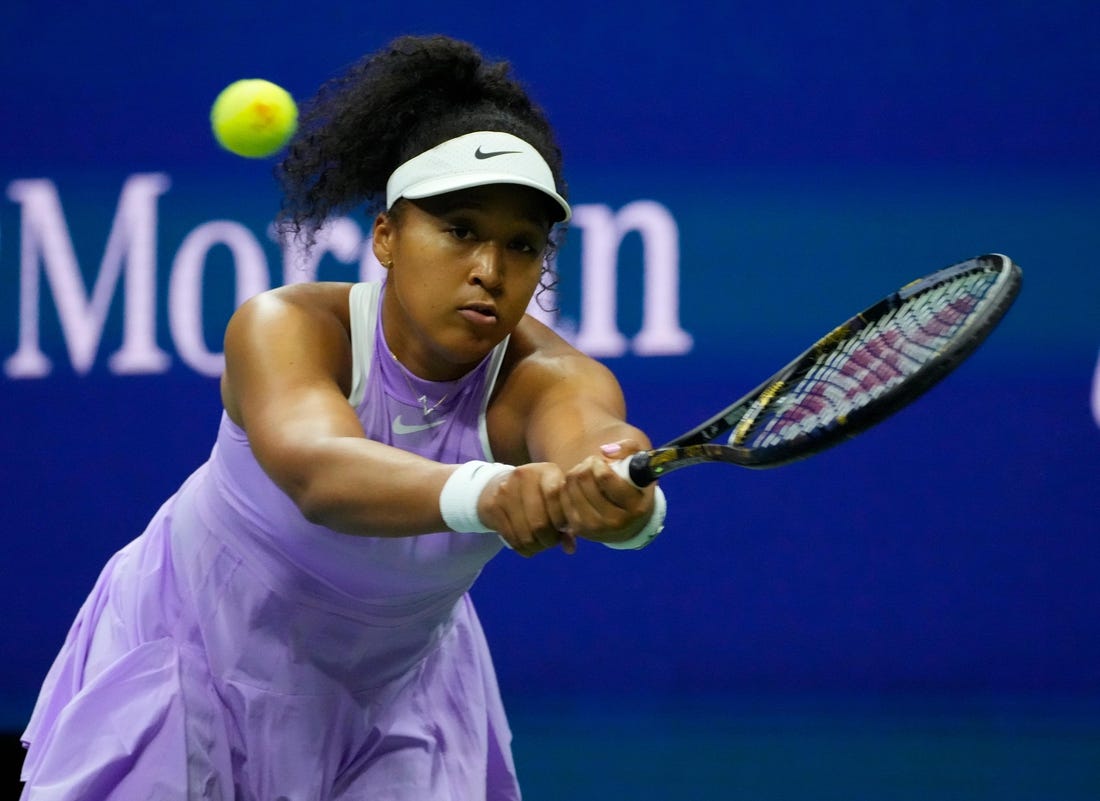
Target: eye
{"x":463,"y":232}
{"x":527,"y":245}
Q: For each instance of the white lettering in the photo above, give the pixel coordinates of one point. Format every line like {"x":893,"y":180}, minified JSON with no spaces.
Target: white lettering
{"x":1096,"y":393}
{"x":598,"y":332}
{"x":185,"y":308}
{"x":46,"y":247}
{"x":603,"y":232}
{"x":131,"y":246}
{"x":661,"y":334}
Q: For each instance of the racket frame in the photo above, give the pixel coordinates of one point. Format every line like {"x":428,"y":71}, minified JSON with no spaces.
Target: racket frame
{"x":695,"y":446}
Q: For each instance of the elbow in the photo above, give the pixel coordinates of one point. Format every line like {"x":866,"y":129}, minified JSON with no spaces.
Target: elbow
{"x":313,"y":509}
{"x":314,"y":499}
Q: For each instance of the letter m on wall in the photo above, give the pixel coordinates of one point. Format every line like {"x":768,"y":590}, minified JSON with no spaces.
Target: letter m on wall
{"x":130,"y":249}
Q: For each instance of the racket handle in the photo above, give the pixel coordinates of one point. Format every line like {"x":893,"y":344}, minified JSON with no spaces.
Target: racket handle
{"x":635,"y":469}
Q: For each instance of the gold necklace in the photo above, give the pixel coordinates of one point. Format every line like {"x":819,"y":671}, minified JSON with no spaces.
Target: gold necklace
{"x":421,"y":399}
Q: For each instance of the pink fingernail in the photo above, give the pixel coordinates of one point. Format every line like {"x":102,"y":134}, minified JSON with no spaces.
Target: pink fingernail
{"x":611,"y":448}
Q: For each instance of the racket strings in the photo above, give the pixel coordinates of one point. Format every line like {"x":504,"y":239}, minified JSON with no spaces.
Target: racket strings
{"x":869,"y":363}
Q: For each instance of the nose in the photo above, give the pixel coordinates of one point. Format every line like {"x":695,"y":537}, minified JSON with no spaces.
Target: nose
{"x":487,"y":269}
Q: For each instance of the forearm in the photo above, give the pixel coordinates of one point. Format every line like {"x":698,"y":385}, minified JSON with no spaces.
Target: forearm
{"x":569,"y":447}
{"x":360,"y":487}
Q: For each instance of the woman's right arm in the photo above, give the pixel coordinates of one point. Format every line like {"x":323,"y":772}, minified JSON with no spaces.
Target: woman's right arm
{"x":287,"y":377}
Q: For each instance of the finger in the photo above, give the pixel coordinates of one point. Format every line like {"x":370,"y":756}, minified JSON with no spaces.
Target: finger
{"x":540,"y":531}
{"x":543,"y":509}
{"x":601,"y":485}
{"x":602,"y":501}
{"x":587,"y":508}
{"x":552,"y":487}
{"x":509,"y":519}
{"x":620,"y":449}
{"x":616,"y":485}
{"x":507,"y":533}
{"x":537,"y":508}
{"x":526,"y":535}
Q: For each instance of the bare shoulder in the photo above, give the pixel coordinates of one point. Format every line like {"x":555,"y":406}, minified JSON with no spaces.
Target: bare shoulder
{"x":293,"y":333}
{"x":544,"y":376}
{"x":539,"y":359}
{"x":316,"y":298}
{"x":308,"y":310}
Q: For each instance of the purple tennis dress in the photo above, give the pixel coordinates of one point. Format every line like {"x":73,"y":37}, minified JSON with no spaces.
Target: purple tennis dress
{"x":236,"y":651}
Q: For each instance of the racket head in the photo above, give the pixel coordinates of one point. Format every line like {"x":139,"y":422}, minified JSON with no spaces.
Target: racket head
{"x":861,"y":372}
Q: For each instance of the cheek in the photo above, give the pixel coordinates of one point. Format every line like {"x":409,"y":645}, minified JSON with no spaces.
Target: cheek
{"x":429,"y":297}
{"x":526,"y":272}
{"x":534,"y":280}
{"x":418,"y":292}
{"x":525,"y":288}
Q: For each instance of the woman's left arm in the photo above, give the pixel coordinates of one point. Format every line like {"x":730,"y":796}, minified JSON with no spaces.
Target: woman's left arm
{"x":576,"y":418}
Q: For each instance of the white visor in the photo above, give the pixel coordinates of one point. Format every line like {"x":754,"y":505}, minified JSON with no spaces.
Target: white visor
{"x":475,"y":159}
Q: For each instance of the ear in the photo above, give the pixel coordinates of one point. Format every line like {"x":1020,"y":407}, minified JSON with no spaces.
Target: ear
{"x":382,"y":239}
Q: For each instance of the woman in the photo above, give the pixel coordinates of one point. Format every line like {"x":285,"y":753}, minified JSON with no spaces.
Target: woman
{"x":294,"y":623}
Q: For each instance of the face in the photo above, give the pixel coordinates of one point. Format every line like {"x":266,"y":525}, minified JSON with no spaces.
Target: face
{"x":464,"y":268}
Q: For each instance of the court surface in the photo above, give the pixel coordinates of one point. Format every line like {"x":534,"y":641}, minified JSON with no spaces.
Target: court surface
{"x":886,"y":750}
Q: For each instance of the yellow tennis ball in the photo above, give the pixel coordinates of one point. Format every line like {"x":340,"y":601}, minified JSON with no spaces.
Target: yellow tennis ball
{"x":253,"y":118}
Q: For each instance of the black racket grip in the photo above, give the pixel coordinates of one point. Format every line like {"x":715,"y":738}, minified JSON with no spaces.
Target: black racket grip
{"x":635,"y":469}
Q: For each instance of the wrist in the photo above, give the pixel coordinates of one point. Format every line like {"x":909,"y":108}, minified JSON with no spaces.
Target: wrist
{"x":652,"y":528}
{"x":459,"y":497}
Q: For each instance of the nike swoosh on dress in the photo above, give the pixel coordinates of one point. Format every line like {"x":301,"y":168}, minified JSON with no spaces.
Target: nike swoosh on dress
{"x":400,"y":427}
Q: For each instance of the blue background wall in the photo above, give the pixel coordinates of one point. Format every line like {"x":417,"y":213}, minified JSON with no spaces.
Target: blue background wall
{"x":814,"y":157}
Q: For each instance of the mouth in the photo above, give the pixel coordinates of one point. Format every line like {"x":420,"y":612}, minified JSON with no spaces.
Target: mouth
{"x":479,"y":313}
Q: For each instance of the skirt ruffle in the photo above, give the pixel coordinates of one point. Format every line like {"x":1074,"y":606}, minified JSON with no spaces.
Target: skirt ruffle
{"x":131,"y":709}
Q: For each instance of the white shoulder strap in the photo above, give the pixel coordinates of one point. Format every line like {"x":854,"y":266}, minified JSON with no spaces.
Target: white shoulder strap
{"x":363,"y":301}
{"x":496,"y":359}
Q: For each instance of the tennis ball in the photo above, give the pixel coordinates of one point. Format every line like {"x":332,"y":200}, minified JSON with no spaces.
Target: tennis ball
{"x":253,"y":118}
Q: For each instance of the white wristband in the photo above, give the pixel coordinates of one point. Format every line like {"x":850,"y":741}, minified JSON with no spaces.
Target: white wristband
{"x":652,"y":528}
{"x":459,"y":497}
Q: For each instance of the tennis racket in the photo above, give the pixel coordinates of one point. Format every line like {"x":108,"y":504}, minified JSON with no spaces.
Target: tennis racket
{"x":857,"y":375}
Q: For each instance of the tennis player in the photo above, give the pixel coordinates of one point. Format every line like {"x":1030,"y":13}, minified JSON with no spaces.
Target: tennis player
{"x":294,"y":623}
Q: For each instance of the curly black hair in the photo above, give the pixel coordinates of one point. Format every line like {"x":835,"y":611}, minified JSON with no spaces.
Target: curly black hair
{"x":415,"y":93}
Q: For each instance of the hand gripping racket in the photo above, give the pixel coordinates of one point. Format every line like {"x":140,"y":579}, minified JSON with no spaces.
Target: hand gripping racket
{"x":852,"y":378}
